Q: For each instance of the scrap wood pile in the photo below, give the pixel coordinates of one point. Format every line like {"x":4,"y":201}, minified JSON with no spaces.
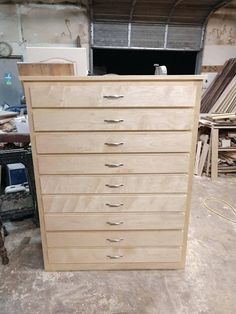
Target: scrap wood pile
{"x":220,"y":97}
{"x":227,"y":157}
{"x":13,"y":130}
{"x":226,"y":153}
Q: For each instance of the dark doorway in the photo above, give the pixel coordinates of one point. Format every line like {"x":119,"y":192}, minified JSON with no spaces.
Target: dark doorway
{"x":140,"y":62}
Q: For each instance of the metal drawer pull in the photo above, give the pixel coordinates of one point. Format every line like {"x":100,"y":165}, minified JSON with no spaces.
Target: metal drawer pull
{"x":114,"y":256}
{"x":114,"y":205}
{"x":113,"y":96}
{"x":114,"y":120}
{"x":114,"y":165}
{"x":115,"y":223}
{"x":114,"y":186}
{"x":114,"y":144}
{"x":115,"y":240}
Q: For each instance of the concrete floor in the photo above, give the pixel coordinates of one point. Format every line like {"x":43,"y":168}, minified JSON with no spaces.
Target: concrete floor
{"x":207,"y":285}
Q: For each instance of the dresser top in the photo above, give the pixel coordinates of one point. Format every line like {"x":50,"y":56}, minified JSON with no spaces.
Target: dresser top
{"x":114,"y":78}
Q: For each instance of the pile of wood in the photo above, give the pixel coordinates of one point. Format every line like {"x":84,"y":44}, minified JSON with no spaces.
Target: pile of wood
{"x":7,"y":123}
{"x":220,"y":97}
{"x":227,"y":162}
{"x":226,"y":153}
{"x":221,"y":118}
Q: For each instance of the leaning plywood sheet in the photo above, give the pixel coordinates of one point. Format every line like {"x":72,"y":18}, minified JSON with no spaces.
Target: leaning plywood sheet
{"x":59,"y":54}
{"x":46,"y":69}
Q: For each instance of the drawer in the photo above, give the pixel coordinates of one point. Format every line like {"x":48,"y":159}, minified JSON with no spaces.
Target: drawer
{"x":114,"y":255}
{"x":113,"y":163}
{"x":113,"y":203}
{"x":112,"y":119}
{"x":113,"y":94}
{"x":113,"y":142}
{"x":114,"y":221}
{"x":69,"y":184}
{"x":115,"y":238}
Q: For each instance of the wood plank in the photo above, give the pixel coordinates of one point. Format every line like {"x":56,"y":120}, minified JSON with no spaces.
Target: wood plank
{"x":113,"y":203}
{"x":108,"y":184}
{"x":199,"y":146}
{"x":113,"y":163}
{"x":219,"y":84}
{"x":214,"y":152}
{"x":45,"y":69}
{"x":203,"y":158}
{"x":102,"y":142}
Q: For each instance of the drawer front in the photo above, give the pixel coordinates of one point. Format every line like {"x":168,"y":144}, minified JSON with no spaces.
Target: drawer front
{"x":113,"y":94}
{"x":115,"y":238}
{"x":113,"y":142}
{"x":113,"y":203}
{"x":113,"y":163}
{"x":112,"y":119}
{"x":114,"y":221}
{"x":114,"y":255}
{"x":63,"y":184}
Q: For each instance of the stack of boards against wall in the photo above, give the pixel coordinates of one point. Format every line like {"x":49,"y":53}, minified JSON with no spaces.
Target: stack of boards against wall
{"x":220,"y":97}
{"x":113,"y":160}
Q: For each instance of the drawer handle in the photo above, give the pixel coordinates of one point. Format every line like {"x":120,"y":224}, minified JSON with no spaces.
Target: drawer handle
{"x":115,"y":223}
{"x":114,"y":144}
{"x":114,"y":120}
{"x":114,"y":186}
{"x":114,"y":205}
{"x":113,"y":96}
{"x":114,"y":256}
{"x":115,"y":240}
{"x":114,"y":165}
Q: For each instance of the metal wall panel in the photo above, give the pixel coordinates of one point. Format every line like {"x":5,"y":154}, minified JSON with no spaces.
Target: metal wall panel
{"x":147,"y":35}
{"x":184,"y":37}
{"x":153,"y":36}
{"x":110,"y":34}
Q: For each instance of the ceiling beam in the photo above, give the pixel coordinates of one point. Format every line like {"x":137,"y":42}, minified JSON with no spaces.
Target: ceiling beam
{"x":177,"y":2}
{"x":219,"y":5}
{"x":133,"y":4}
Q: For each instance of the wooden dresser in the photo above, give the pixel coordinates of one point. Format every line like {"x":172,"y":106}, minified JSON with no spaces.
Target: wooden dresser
{"x":113,"y":159}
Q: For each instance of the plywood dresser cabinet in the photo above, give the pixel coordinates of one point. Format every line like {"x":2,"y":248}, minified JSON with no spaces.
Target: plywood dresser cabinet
{"x":113,"y":159}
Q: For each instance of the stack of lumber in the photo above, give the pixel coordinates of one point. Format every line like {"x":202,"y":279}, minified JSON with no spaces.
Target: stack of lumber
{"x":221,"y":95}
{"x":227,"y":162}
{"x":221,"y":118}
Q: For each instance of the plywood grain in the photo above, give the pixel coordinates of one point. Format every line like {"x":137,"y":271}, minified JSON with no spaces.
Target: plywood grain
{"x":113,"y":119}
{"x":113,"y":94}
{"x":113,"y":142}
{"x":122,"y":238}
{"x":113,"y":203}
{"x":102,"y":255}
{"x":113,"y":163}
{"x":119,"y":184}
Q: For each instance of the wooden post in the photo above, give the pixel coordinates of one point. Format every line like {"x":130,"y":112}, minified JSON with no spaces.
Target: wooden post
{"x":214,"y":152}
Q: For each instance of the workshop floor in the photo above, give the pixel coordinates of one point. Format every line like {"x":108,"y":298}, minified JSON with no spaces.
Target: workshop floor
{"x":207,"y":285}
